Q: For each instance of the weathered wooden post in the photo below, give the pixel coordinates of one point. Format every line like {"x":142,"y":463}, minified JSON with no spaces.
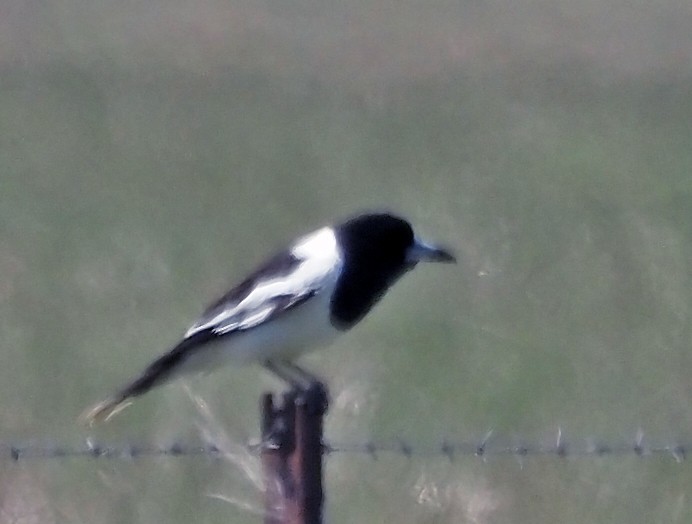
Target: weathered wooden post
{"x":292,"y":456}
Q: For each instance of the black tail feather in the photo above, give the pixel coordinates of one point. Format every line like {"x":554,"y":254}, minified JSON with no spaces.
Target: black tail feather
{"x":156,"y":373}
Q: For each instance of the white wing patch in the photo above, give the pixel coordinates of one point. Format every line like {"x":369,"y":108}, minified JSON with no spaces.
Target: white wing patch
{"x":321,"y":261}
{"x":253,"y":319}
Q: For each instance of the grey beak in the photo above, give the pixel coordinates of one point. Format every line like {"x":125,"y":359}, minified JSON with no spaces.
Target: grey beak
{"x":423,"y":252}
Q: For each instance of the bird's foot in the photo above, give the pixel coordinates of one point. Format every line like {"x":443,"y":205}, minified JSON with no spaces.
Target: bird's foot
{"x":315,"y":397}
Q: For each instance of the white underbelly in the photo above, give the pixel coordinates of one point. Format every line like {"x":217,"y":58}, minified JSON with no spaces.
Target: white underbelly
{"x":301,"y":329}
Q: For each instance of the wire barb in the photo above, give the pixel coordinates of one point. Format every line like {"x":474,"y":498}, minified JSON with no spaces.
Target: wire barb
{"x":446,"y":448}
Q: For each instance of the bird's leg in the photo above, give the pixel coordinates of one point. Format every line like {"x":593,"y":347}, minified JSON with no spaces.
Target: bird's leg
{"x":303,"y":376}
{"x":311,"y":389}
{"x":287,"y":374}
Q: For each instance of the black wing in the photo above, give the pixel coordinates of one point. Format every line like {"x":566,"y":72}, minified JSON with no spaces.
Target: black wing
{"x":270,"y":291}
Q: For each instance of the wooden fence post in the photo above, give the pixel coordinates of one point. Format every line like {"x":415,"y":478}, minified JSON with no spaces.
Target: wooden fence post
{"x":292,"y":456}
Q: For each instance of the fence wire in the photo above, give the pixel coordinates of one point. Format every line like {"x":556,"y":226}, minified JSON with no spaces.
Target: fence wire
{"x":449,"y":449}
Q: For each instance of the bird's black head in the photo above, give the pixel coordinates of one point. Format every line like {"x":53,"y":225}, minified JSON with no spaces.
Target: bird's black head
{"x":377,"y":248}
{"x":379,"y":239}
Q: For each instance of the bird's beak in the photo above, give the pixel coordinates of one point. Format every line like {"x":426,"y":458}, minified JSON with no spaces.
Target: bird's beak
{"x":423,"y":252}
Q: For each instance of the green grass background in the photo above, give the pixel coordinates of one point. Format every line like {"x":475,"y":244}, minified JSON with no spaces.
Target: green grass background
{"x":152,"y":153}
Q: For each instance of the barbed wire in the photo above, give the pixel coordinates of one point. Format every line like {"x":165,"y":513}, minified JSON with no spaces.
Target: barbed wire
{"x":483,"y":448}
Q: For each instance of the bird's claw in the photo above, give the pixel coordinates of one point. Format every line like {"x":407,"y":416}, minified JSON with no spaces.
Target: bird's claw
{"x":315,"y":398}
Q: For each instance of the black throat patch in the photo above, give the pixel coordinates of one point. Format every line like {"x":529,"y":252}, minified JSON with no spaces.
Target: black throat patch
{"x":358,"y":289}
{"x":374,"y":251}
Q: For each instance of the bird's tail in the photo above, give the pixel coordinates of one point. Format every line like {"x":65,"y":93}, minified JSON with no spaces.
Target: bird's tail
{"x":105,"y":410}
{"x":158,"y":372}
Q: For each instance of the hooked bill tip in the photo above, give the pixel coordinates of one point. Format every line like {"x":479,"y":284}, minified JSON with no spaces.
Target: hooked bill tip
{"x":423,"y":252}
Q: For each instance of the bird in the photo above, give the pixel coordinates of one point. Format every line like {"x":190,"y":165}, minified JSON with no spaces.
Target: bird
{"x":299,"y":299}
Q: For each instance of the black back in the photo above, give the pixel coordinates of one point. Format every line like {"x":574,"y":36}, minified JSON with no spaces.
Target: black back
{"x":374,"y":250}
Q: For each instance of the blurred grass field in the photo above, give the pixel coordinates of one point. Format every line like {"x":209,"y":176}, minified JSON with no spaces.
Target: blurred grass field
{"x":151,"y":154}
